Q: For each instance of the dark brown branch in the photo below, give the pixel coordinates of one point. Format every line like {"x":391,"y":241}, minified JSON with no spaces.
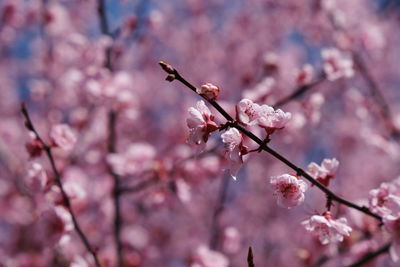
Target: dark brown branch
{"x":111,"y":144}
{"x":250,"y":260}
{"x":299,"y":92}
{"x":371,"y":255}
{"x":57,"y":178}
{"x":174,"y":75}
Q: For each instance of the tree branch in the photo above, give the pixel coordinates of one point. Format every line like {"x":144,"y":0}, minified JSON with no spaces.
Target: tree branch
{"x":57,"y":178}
{"x":174,"y":75}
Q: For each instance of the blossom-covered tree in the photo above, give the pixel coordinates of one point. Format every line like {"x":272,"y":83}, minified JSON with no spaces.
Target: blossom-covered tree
{"x":104,"y":163}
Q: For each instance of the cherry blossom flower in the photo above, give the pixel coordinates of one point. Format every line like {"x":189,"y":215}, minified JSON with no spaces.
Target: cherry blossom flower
{"x":289,"y":190}
{"x":201,"y":124}
{"x":53,"y":224}
{"x":233,"y":141}
{"x":271,"y":119}
{"x":247,"y":112}
{"x":325,"y":172}
{"x":385,"y":200}
{"x":209,"y":90}
{"x":328,"y":229}
{"x":250,"y":113}
{"x":392,"y":225}
{"x":63,"y":136}
{"x":337,"y":65}
{"x":204,"y":257}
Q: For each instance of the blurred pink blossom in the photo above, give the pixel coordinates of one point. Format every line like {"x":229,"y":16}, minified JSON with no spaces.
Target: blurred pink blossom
{"x":204,"y":257}
{"x":336,"y":64}
{"x":63,"y":136}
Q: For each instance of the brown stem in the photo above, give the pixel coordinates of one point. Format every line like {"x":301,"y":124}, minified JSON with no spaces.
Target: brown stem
{"x":232,"y":123}
{"x":57,"y":178}
{"x":371,"y":255}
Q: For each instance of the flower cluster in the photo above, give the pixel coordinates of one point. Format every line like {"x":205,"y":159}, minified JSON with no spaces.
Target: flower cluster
{"x":249,"y":113}
{"x":325,"y":172}
{"x":336,"y":64}
{"x":385,"y":201}
{"x":327,"y":229}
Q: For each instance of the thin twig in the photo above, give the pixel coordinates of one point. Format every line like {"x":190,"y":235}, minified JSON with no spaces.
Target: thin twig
{"x":174,"y":75}
{"x":250,"y":260}
{"x":57,"y":178}
{"x":371,"y":255}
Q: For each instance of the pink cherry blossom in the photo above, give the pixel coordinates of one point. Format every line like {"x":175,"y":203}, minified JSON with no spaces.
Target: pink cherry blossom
{"x":247,"y":112}
{"x":201,"y":124}
{"x":325,"y":172}
{"x":250,"y":113}
{"x":336,"y":64}
{"x":209,"y":90}
{"x":271,"y":119}
{"x":289,"y":190}
{"x":233,"y":141}
{"x":385,"y":200}
{"x":63,"y":136}
{"x":204,"y":257}
{"x":327,"y":229}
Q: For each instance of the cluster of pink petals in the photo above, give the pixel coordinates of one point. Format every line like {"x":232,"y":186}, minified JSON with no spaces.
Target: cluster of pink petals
{"x":201,"y":124}
{"x":325,"y":172}
{"x":337,"y":65}
{"x":63,"y":136}
{"x":289,"y":190}
{"x":385,"y":201}
{"x":250,"y":113}
{"x":233,"y":141}
{"x":209,"y":91}
{"x":137,"y":158}
{"x":327,"y":229}
{"x":204,"y":257}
